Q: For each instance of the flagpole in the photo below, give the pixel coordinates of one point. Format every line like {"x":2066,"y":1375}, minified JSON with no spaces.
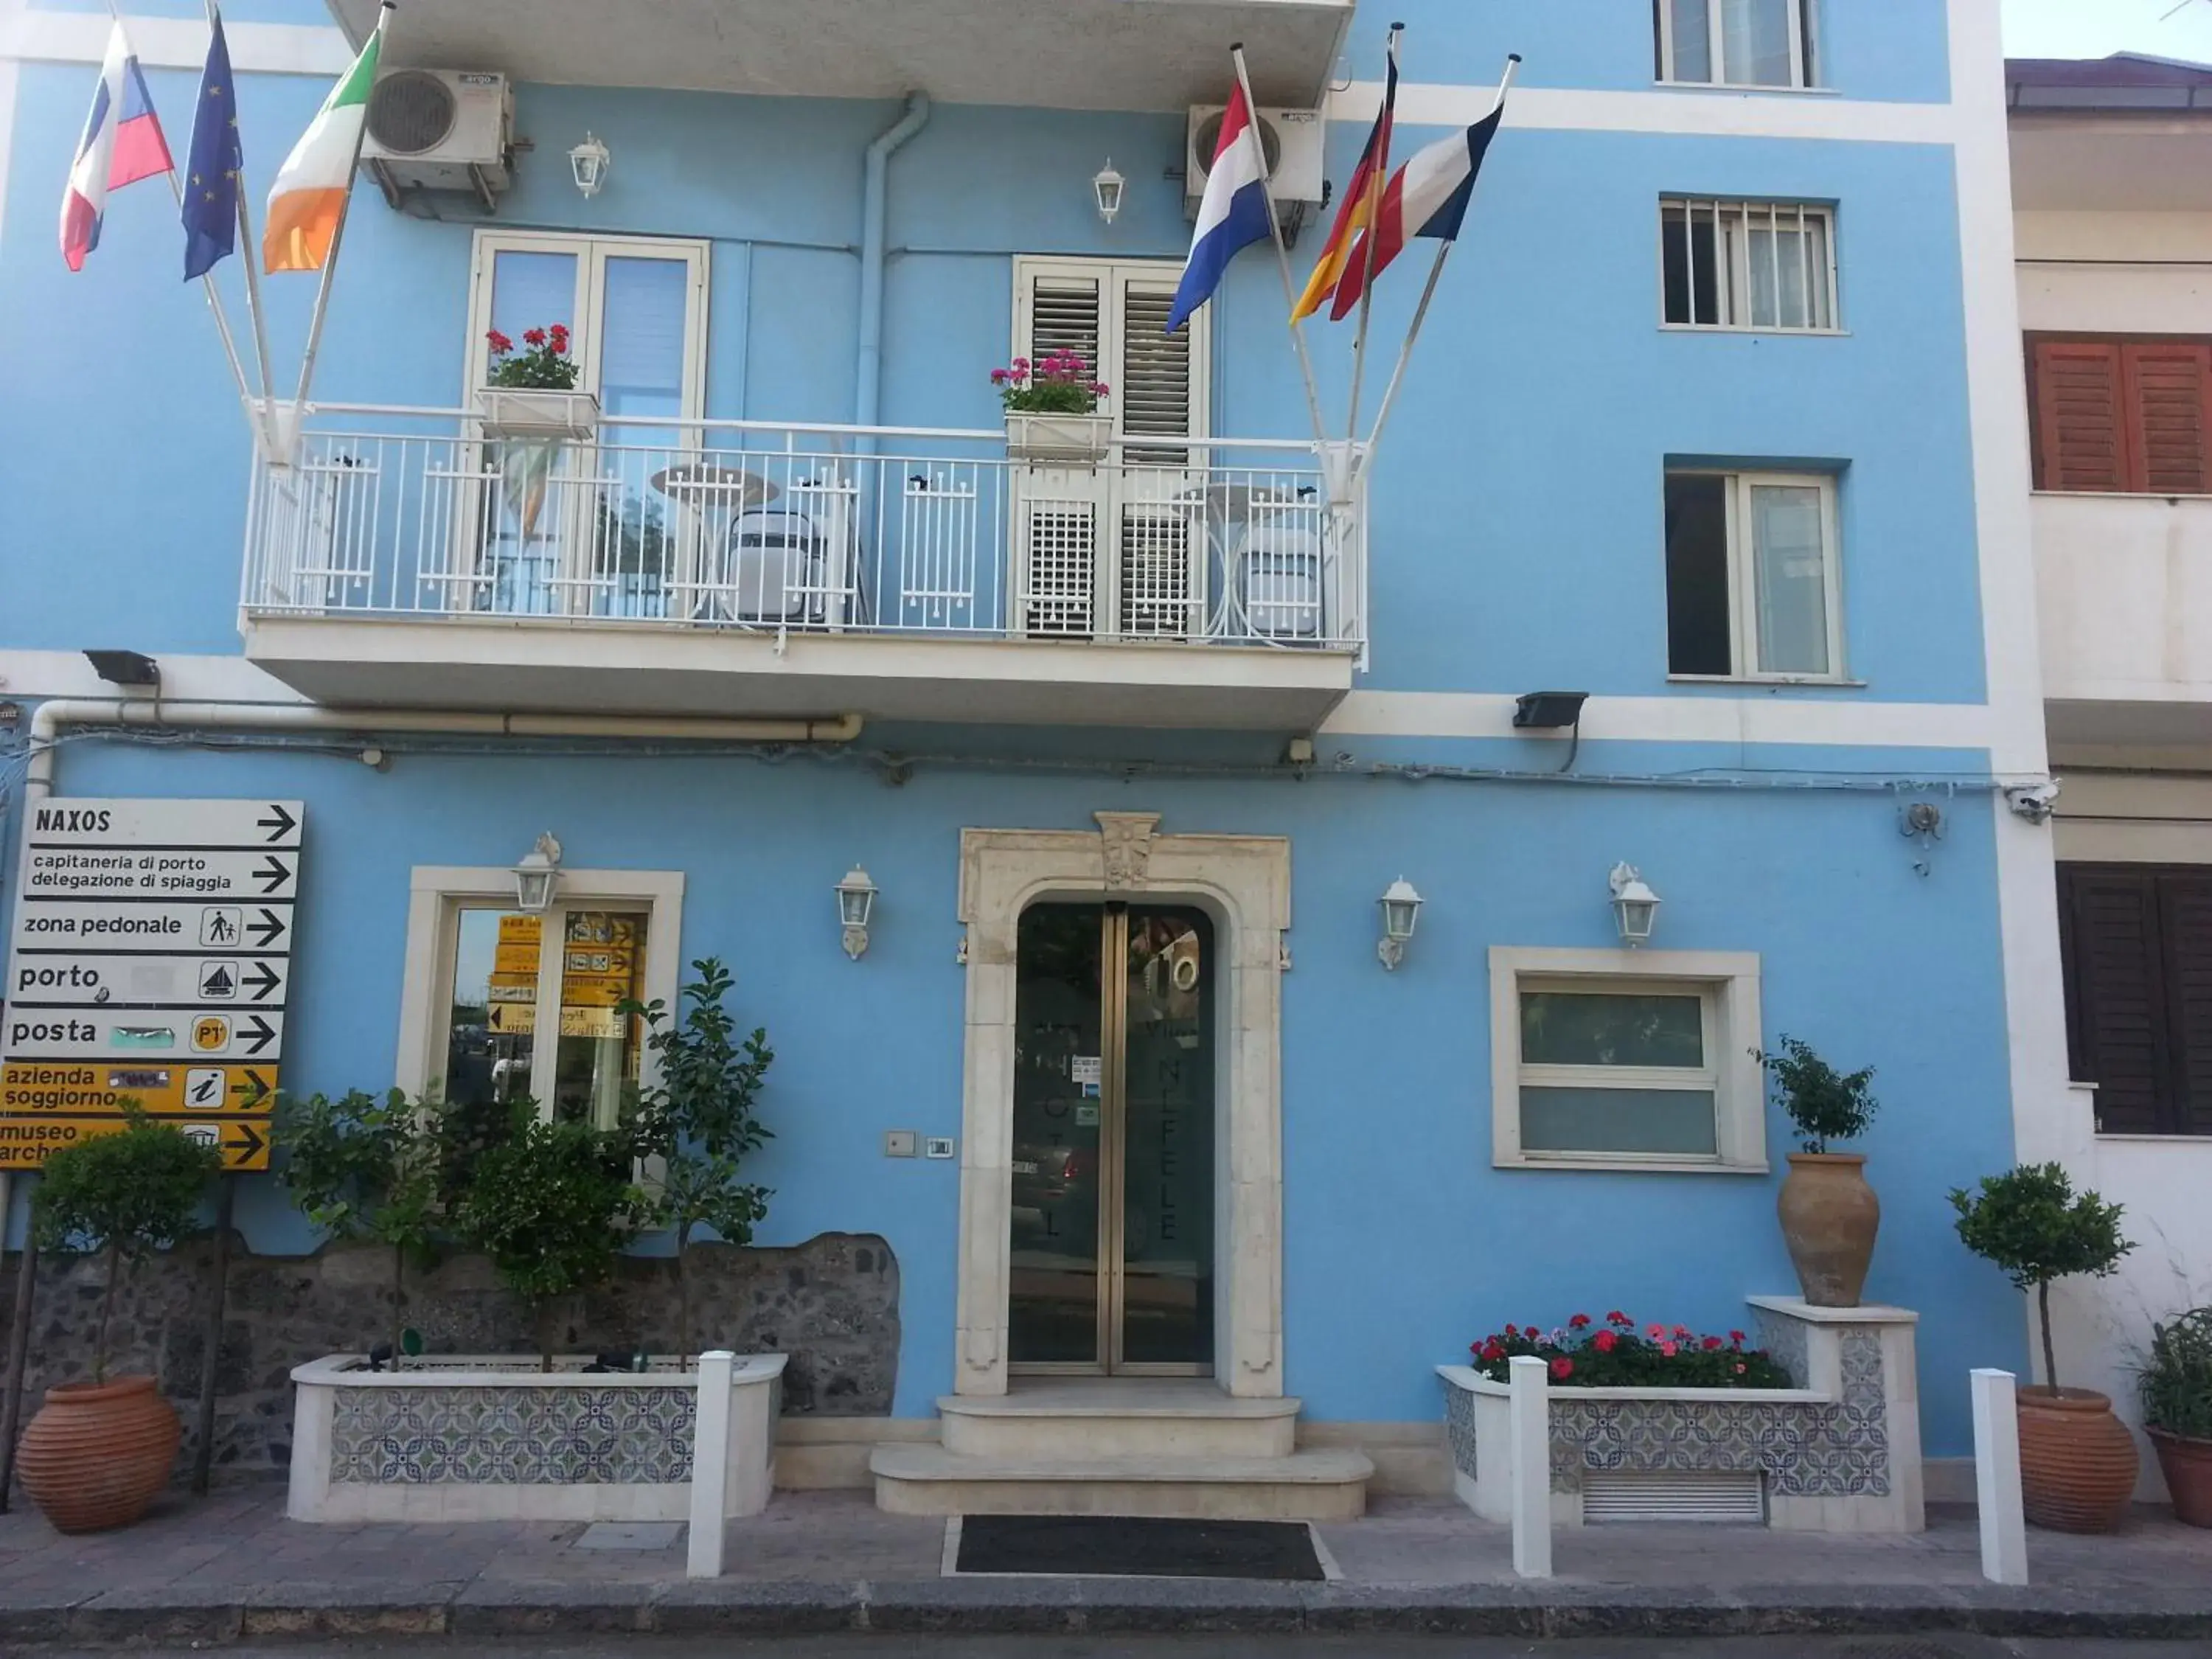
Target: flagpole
{"x":1428,"y":293}
{"x":1282,"y":251}
{"x":254,"y":314}
{"x":338,"y":237}
{"x":1377,"y":182}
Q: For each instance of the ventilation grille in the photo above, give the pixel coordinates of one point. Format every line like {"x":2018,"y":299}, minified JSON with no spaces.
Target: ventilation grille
{"x":411,"y":112}
{"x":1626,"y":1500}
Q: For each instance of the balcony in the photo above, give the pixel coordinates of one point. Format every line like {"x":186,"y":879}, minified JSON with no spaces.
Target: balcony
{"x":1051,"y":54}
{"x":2124,"y":584}
{"x":732,"y":568}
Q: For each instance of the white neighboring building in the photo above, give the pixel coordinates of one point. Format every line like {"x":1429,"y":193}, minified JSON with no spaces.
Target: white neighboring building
{"x":2112,"y":194}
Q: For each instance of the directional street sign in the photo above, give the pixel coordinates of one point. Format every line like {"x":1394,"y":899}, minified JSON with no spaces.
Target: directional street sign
{"x":150,"y":963}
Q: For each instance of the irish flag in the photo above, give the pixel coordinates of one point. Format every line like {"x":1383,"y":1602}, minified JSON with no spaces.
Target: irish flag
{"x":309,"y":198}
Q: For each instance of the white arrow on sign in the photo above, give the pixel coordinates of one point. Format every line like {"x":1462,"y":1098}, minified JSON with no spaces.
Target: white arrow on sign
{"x":210,"y":1033}
{"x":255,"y":925}
{"x":89,"y":822}
{"x":62,"y":873}
{"x":68,"y":980}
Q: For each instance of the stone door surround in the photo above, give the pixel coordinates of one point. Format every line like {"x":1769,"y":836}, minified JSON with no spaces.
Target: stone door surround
{"x":1244,"y":883}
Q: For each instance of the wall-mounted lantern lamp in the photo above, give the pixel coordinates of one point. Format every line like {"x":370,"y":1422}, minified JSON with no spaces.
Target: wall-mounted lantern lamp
{"x":1109,"y":186}
{"x":1635,"y":906}
{"x":1401,"y":914}
{"x":590,"y":161}
{"x":538,"y":874}
{"x":856,"y":902}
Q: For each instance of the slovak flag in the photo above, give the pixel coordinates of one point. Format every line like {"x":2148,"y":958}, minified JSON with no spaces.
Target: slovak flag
{"x":122,"y":145}
{"x":1234,"y":215}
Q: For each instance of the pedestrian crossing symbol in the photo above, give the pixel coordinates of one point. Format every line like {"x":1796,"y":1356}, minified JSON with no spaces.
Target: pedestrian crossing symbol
{"x":219,"y":924}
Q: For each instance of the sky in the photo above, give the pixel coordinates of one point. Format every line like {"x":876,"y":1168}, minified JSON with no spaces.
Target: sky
{"x":2092,"y":28}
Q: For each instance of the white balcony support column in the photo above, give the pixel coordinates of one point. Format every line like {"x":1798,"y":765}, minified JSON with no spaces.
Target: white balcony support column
{"x":1532,"y":1467}
{"x":1997,"y":1478}
{"x":710,"y":1464}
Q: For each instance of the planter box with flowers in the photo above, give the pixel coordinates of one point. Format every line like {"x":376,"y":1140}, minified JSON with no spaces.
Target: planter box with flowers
{"x":1052,"y":412}
{"x":1810,"y":1423}
{"x":531,"y":394}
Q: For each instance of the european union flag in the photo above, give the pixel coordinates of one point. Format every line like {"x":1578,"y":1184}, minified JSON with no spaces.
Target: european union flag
{"x":212,"y":170}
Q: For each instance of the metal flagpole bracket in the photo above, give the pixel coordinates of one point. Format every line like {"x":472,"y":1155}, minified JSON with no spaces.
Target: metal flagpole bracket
{"x":277,"y":428}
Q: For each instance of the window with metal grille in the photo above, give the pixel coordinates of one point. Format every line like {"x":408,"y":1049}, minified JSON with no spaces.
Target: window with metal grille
{"x":1768,"y":265}
{"x":1737,"y":43}
{"x":2120,"y":414}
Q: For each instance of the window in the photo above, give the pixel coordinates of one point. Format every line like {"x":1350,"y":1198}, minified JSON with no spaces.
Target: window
{"x":1752,"y":588}
{"x":1747,"y":265}
{"x":1599,"y":1057}
{"x":505,"y":1006}
{"x":2135,"y":944}
{"x":1736,"y":42}
{"x":2120,"y":414}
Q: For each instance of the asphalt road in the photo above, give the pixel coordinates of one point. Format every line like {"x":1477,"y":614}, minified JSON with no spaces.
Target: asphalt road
{"x":1943,"y":1646}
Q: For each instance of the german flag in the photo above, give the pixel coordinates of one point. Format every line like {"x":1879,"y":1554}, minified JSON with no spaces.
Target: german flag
{"x":1356,"y":212}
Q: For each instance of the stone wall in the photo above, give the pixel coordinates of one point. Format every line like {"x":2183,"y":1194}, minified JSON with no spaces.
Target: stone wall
{"x":831,"y":1304}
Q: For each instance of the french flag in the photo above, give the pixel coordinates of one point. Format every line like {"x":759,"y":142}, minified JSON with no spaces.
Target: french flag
{"x":122,"y":145}
{"x":1234,"y":215}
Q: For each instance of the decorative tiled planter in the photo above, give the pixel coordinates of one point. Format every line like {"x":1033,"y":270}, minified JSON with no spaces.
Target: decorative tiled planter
{"x":1059,"y":440}
{"x":1841,"y":1454}
{"x":490,"y":1437}
{"x":506,"y":411}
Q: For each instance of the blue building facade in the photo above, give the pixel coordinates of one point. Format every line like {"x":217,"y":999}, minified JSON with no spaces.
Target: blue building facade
{"x":1697,"y":427}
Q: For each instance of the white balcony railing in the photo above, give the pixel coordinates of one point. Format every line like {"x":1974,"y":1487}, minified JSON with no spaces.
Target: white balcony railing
{"x":412,"y":514}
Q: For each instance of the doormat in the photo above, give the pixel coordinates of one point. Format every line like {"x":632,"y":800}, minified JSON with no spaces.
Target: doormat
{"x":1105,"y":1545}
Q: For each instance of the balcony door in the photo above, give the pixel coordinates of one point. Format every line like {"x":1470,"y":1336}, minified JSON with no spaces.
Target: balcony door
{"x":581,"y":528}
{"x":1111,"y":1222}
{"x":1120,"y":550}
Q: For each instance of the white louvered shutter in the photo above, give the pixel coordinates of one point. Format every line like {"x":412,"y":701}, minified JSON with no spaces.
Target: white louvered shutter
{"x":1059,"y":509}
{"x":1163,"y":521}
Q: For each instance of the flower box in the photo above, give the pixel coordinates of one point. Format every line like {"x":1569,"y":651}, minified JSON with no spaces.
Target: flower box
{"x":1841,"y":1453}
{"x":1059,"y":440}
{"x":492,"y":1437}
{"x":509,"y":411}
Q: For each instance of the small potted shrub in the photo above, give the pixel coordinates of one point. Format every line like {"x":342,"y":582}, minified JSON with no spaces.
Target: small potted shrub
{"x":2077,"y":1461}
{"x":99,"y":1451}
{"x":532,"y":393}
{"x":2176,"y":1384}
{"x":1829,"y":1215}
{"x":1052,"y":411}
{"x":551,"y":1204}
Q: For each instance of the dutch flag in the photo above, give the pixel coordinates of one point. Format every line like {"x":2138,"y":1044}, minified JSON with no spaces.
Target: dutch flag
{"x":122,"y":145}
{"x":1234,"y":215}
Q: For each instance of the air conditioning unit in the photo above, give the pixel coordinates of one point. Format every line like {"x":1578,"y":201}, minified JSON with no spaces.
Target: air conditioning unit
{"x":1290,"y":140}
{"x":441,"y":130}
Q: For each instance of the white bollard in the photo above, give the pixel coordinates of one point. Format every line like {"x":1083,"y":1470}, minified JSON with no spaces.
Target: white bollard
{"x":710,"y":1464}
{"x":1997,"y":1478}
{"x":1529,"y":1388}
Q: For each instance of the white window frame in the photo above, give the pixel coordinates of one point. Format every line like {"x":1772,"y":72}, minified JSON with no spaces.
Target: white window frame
{"x":1804,"y":48}
{"x":1735,"y":293}
{"x":591,"y":254}
{"x":1114,"y":278}
{"x":438,"y":894}
{"x":1743,"y":577}
{"x":1726,"y":982}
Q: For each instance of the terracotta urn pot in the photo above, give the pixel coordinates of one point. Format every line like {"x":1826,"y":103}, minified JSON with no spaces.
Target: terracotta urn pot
{"x":2187,"y":1466}
{"x":2077,"y":1461}
{"x":98,"y":1453}
{"x":1829,"y":1219}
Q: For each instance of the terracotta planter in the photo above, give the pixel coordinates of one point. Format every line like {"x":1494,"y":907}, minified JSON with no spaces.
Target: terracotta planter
{"x":97,"y":1454}
{"x":2187,"y":1466}
{"x":2077,"y":1461}
{"x":1829,"y":1218}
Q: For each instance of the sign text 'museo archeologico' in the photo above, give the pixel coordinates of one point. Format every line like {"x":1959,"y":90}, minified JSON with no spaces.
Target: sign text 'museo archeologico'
{"x":149,"y":962}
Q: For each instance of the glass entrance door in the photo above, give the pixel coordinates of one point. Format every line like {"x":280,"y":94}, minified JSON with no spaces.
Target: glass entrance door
{"x":1112,"y":1228}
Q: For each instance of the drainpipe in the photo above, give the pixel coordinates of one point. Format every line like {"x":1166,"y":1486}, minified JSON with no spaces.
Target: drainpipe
{"x":51,"y":716}
{"x":868,"y":375}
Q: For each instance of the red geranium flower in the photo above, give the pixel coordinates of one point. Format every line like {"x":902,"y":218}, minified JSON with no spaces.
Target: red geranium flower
{"x":1493,"y":1350}
{"x":1712,"y":1343}
{"x":533,"y":336}
{"x":1562,"y":1369}
{"x":499,"y":343}
{"x":1580,"y":1321}
{"x":1655,"y":1332}
{"x":1682,"y":1332}
{"x":1604,"y":1341}
{"x":1669,"y":1349}
{"x":1737,"y":1338}
{"x":1512,"y":1331}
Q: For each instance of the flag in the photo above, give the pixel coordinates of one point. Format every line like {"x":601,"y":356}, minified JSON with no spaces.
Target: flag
{"x":1428,"y":196}
{"x":122,"y":145}
{"x":1234,"y":215}
{"x":213,"y":164}
{"x":309,"y":196}
{"x":1352,"y":214}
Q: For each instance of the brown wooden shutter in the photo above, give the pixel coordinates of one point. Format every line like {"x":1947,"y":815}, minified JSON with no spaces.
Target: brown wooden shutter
{"x":2080,"y":437}
{"x":2115,"y":977}
{"x":2164,"y":385}
{"x":2186,"y":926}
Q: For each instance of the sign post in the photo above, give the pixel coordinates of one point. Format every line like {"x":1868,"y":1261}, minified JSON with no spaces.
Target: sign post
{"x":150,"y":963}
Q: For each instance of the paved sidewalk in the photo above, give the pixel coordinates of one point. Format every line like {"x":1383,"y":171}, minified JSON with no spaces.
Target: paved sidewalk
{"x":231,"y":1565}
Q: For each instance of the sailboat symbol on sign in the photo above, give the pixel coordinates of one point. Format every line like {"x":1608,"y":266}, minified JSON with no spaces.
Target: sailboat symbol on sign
{"x":217,"y":983}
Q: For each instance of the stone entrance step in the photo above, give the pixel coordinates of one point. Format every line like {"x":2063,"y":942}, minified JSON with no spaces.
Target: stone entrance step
{"x":1147,"y":1417}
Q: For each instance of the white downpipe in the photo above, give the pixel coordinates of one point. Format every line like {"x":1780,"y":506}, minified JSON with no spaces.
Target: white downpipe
{"x":48,"y":718}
